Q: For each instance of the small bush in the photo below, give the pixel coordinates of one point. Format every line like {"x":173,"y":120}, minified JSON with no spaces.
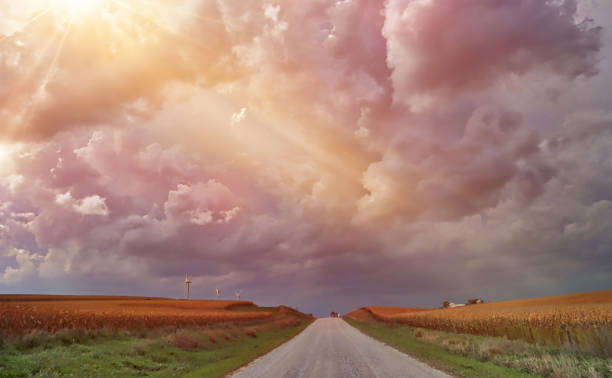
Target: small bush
{"x":184,"y":341}
{"x":141,"y":346}
{"x":490,"y":353}
{"x":252,"y":332}
{"x":33,"y":339}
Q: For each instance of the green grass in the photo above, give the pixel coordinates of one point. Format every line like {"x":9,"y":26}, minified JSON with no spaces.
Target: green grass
{"x":403,"y":339}
{"x":201,"y":352}
{"x":241,"y":353}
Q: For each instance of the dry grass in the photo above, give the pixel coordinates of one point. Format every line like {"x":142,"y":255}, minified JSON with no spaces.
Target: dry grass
{"x":518,"y":354}
{"x":580,"y":322}
{"x":564,"y":366}
{"x":251,"y":331}
{"x":20,"y":315}
{"x":361,"y":315}
{"x":184,"y":341}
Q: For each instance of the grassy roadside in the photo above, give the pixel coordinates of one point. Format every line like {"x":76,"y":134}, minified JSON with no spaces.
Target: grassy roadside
{"x":210,"y":351}
{"x":403,"y":339}
{"x":242,"y":354}
{"x":480,"y":356}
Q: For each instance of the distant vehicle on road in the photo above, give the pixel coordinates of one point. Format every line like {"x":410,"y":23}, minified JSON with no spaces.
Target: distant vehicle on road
{"x":334,"y":314}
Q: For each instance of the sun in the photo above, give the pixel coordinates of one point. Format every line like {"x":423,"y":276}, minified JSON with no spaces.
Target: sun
{"x":79,"y":8}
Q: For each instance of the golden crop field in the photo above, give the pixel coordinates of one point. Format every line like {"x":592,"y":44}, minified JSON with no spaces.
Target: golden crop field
{"x":384,"y":311}
{"x":579,"y":321}
{"x":22,"y":314}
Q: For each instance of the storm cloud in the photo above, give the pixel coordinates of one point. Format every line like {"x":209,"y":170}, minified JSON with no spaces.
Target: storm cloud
{"x":325,"y":154}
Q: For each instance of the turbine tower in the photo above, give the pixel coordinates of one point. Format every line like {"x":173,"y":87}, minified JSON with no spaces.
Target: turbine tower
{"x":218,"y":292}
{"x":237,"y":293}
{"x":187,"y":284}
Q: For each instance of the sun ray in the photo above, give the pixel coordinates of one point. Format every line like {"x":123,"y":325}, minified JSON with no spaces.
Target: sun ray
{"x":162,"y":26}
{"x":183,"y":12}
{"x":37,"y":64}
{"x":58,"y":53}
{"x":27,"y":110}
{"x":23,"y":84}
{"x":30,"y":22}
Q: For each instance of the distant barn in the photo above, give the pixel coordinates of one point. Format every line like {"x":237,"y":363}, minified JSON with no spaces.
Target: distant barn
{"x":447,"y":304}
{"x":473,"y":301}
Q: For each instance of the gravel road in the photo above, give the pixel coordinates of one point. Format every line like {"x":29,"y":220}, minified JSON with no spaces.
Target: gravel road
{"x":332,"y":348}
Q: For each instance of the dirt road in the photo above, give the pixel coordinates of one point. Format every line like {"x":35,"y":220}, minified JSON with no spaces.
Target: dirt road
{"x":332,"y":348}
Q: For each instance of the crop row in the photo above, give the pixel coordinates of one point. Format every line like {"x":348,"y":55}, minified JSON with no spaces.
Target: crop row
{"x":21,"y":319}
{"x":584,"y":328}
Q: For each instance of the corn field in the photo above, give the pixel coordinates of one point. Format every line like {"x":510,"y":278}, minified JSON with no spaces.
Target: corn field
{"x":581,"y":322}
{"x":52,"y":314}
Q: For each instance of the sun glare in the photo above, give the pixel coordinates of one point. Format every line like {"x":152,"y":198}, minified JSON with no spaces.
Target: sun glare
{"x":5,"y":152}
{"x":78,"y":8}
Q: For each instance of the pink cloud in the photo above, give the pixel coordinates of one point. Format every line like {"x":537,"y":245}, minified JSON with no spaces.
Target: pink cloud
{"x":447,"y":47}
{"x":201,"y":203}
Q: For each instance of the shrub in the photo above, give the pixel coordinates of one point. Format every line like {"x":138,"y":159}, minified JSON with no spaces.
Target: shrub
{"x":252,"y":332}
{"x":141,"y":346}
{"x":184,"y":341}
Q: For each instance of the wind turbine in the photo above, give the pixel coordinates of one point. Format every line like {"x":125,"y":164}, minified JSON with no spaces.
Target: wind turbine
{"x":187,"y":284}
{"x":218,"y":292}
{"x":237,"y":293}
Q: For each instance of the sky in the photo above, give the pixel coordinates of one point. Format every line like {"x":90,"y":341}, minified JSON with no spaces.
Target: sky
{"x":324,"y":155}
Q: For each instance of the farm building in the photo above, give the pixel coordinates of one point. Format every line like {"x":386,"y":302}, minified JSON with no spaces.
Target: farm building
{"x":448,"y":304}
{"x":473,"y":301}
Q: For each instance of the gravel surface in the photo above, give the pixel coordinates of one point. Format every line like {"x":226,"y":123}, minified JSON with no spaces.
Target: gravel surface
{"x":332,"y":348}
